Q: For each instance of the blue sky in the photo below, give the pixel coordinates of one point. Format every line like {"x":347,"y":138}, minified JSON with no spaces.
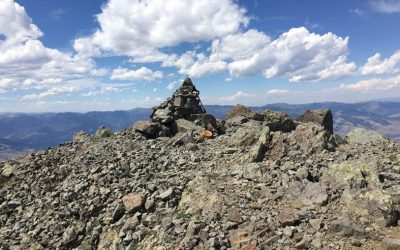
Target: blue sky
{"x":73,"y":55}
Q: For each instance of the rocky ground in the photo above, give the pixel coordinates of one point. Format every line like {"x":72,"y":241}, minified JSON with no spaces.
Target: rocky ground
{"x":267,"y":183}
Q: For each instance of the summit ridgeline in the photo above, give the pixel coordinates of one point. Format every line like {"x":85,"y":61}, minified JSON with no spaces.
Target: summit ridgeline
{"x":262,"y":180}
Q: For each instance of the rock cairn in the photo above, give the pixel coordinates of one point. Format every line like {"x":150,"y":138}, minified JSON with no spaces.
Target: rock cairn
{"x":184,"y":104}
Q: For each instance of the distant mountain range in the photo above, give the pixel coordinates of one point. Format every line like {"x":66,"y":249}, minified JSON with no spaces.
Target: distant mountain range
{"x":22,"y":132}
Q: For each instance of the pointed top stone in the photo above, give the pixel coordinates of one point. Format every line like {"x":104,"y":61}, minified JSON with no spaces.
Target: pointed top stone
{"x":187,"y":82}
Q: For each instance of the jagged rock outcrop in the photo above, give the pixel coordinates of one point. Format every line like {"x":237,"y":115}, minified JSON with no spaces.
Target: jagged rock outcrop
{"x":322,"y":117}
{"x":266,"y":183}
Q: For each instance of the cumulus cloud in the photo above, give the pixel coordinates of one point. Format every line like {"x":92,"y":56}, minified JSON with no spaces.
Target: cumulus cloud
{"x":376,"y":66}
{"x":139,"y":28}
{"x":16,"y":25}
{"x":373,"y":84}
{"x":239,"y":45}
{"x":299,"y":55}
{"x":385,"y":6}
{"x":68,"y":87}
{"x":239,"y":95}
{"x":142,"y":74}
{"x":195,"y":64}
{"x":172,"y":85}
{"x":26,"y":61}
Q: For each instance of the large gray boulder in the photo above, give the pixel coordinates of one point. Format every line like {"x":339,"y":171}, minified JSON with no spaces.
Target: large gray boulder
{"x":147,"y":128}
{"x":322,"y":117}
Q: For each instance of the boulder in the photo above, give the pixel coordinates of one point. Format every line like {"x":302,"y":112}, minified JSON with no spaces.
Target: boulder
{"x":240,"y":110}
{"x":257,"y":152}
{"x":163,"y":116}
{"x":278,"y":121}
{"x":365,"y":136}
{"x":322,"y":117}
{"x":245,"y":136}
{"x":236,"y":121}
{"x":80,"y":136}
{"x":133,"y":202}
{"x":147,"y":128}
{"x":363,"y":195}
{"x":8,"y":171}
{"x":183,"y":126}
{"x":312,"y":138}
{"x":104,"y":132}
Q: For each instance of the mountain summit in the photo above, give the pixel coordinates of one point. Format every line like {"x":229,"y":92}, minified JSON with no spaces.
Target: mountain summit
{"x":262,"y":181}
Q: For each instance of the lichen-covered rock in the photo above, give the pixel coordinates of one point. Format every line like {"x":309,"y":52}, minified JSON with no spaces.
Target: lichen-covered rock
{"x":80,"y":136}
{"x":245,"y":136}
{"x":365,"y":136}
{"x":104,"y":132}
{"x":312,"y":138}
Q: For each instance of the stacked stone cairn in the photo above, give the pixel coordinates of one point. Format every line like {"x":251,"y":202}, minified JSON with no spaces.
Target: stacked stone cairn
{"x":184,"y":104}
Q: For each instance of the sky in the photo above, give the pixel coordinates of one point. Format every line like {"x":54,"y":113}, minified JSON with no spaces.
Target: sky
{"x":74,"y":55}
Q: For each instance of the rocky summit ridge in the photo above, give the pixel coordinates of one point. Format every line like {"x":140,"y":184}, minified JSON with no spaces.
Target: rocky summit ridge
{"x":262,"y":181}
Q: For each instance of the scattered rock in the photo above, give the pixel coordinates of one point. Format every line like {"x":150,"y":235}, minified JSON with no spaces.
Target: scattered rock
{"x":234,"y":214}
{"x":166,"y":194}
{"x":264,"y":182}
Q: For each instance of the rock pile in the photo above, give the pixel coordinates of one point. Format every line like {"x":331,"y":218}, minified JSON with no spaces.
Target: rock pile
{"x":185,"y":104}
{"x":269,"y":182}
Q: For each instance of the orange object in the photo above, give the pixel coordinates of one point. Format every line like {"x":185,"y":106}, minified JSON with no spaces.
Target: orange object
{"x":206,"y":134}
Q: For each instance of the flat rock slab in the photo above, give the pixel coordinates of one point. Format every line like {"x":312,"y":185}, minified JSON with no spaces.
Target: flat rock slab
{"x":133,"y":202}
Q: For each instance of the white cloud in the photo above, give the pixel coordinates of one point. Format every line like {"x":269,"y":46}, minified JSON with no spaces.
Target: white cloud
{"x":385,"y":6}
{"x":139,"y":28}
{"x":195,"y":65}
{"x":376,"y":66}
{"x":68,"y":87}
{"x":142,"y":74}
{"x":239,"y":45}
{"x":52,"y":92}
{"x":277,"y":91}
{"x":373,"y":84}
{"x":155,"y":89}
{"x":172,"y":85}
{"x":234,"y":98}
{"x":299,"y":55}
{"x":15,"y":24}
{"x":7,"y":83}
{"x":104,"y":90}
{"x":26,"y":61}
